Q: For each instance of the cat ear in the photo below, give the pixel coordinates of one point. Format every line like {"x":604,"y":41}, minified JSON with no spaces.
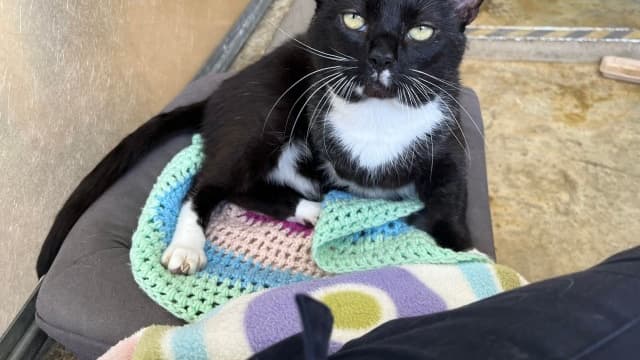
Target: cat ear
{"x":467,"y":10}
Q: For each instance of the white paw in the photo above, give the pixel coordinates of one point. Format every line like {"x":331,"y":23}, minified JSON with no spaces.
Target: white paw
{"x":307,"y":212}
{"x":185,"y":260}
{"x":185,"y":255}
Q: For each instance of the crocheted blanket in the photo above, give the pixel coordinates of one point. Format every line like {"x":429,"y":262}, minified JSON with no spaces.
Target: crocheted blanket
{"x":249,"y":252}
{"x":359,"y":302}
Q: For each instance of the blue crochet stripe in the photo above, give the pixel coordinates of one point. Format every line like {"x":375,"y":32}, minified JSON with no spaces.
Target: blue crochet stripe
{"x":239,"y":269}
{"x":220,"y":261}
{"x":336,"y":196}
{"x":390,"y":229}
{"x":383,"y":232}
{"x":168,"y":208}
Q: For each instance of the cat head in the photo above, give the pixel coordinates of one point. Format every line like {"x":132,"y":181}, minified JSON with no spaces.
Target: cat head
{"x":404,"y":49}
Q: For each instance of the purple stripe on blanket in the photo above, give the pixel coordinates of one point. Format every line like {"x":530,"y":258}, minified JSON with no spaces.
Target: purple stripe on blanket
{"x":292,"y":227}
{"x":273,"y":315}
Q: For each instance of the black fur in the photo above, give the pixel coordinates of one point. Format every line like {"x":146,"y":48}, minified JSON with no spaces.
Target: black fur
{"x":112,"y":167}
{"x":253,"y":114}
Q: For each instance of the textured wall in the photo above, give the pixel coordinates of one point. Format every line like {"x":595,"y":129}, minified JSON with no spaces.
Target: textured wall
{"x":75,"y":77}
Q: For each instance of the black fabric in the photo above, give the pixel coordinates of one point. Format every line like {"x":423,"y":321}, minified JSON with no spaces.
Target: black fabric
{"x":478,"y":212}
{"x":313,"y":342}
{"x":317,"y":323}
{"x":593,"y":314}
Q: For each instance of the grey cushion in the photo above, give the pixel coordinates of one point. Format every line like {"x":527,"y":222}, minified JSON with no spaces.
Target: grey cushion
{"x":89,"y":300}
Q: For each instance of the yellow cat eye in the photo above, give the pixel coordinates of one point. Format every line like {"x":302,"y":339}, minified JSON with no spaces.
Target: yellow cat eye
{"x":353,"y":21}
{"x":421,"y":33}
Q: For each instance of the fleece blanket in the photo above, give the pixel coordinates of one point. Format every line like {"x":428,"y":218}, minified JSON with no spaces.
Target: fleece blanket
{"x":359,"y":302}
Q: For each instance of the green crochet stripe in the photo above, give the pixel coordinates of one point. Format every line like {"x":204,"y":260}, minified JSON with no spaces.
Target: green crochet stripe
{"x":187,"y":297}
{"x":344,"y":241}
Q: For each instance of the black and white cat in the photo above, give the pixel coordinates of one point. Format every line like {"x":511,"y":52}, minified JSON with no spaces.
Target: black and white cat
{"x":365,"y":101}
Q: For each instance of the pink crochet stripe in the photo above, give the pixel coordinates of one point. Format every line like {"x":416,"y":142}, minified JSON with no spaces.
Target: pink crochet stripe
{"x":281,"y":245}
{"x":257,"y":218}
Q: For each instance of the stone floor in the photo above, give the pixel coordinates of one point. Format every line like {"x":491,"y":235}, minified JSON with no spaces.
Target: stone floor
{"x":597,"y":13}
{"x":562,"y":150}
{"x":562,"y":145}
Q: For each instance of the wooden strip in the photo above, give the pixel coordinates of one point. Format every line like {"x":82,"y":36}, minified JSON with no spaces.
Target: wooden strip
{"x":619,"y":68}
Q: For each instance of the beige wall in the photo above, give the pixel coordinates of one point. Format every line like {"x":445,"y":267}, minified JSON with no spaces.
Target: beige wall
{"x":74,"y":78}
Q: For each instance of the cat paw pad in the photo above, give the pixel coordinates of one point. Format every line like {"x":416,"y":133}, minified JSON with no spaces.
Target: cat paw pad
{"x":184,"y":260}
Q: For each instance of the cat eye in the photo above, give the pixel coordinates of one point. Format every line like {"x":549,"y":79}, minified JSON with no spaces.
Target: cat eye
{"x":421,"y":33}
{"x":353,"y":21}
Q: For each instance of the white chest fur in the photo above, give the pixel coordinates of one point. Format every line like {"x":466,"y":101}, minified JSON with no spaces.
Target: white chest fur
{"x":403,"y":192}
{"x":286,"y":171}
{"x":378,"y":132}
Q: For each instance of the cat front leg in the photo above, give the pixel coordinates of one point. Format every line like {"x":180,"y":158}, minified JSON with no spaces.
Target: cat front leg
{"x":185,"y":254}
{"x":444,"y":193}
{"x":280,"y":202}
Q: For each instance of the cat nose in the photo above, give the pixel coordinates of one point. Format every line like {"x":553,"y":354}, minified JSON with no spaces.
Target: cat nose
{"x":381,"y":59}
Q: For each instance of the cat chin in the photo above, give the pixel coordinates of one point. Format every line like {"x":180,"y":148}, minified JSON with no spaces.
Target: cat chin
{"x":364,"y":92}
{"x":378,"y":92}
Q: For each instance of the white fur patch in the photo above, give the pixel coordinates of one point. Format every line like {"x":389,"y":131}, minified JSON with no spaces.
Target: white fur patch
{"x":378,"y":132}
{"x":385,"y":78}
{"x":307,"y":212}
{"x":403,"y":192}
{"x":185,"y":254}
{"x":286,"y":172}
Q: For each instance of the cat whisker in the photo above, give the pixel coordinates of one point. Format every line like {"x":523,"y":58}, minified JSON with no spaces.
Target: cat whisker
{"x":454,"y":117}
{"x":455,"y":86}
{"x":291,"y":88}
{"x":465,"y":147}
{"x":416,"y":102}
{"x":406,"y":102}
{"x":324,"y":141}
{"x":323,"y":102}
{"x":332,"y":58}
{"x":427,"y":6}
{"x":346,"y":85}
{"x":351,"y":90}
{"x":348,"y":95}
{"x":344,"y":55}
{"x":334,"y":74}
{"x":455,"y":120}
{"x":433,"y":150}
{"x":313,"y":50}
{"x":327,"y":82}
{"x":475,"y":124}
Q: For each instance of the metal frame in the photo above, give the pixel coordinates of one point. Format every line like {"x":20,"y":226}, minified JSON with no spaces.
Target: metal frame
{"x":228,"y":50}
{"x":23,"y":339}
{"x":551,"y":43}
